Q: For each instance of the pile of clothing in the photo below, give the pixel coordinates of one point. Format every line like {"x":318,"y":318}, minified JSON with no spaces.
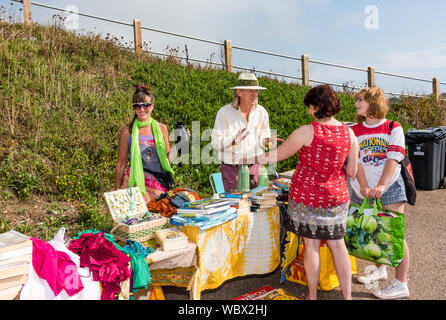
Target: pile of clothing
{"x":91,"y":266}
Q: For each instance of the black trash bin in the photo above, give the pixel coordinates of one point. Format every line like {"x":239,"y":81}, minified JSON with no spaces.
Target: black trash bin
{"x":427,"y":154}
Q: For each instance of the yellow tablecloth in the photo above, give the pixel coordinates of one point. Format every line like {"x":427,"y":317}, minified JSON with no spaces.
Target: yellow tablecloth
{"x":249,"y":244}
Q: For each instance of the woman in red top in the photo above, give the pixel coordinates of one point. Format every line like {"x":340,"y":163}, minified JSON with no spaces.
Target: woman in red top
{"x":318,"y":197}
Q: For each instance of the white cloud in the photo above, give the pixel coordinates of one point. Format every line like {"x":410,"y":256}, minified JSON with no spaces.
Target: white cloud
{"x":415,"y":61}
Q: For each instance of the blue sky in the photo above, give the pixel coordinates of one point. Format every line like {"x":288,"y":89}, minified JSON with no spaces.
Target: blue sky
{"x":408,"y":38}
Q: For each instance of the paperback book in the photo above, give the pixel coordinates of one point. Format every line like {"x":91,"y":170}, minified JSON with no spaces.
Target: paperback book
{"x":206,"y":203}
{"x":282,"y":183}
{"x":287,"y":174}
{"x":237,"y":195}
{"x":197,"y":211}
{"x":14,"y":244}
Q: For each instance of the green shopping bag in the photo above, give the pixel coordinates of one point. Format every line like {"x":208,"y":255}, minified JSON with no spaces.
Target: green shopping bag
{"x":375,"y":234}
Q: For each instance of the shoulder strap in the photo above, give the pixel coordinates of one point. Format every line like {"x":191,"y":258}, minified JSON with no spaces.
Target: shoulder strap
{"x":391,"y":125}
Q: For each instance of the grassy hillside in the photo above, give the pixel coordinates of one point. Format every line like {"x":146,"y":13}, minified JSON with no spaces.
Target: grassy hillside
{"x":64,"y":100}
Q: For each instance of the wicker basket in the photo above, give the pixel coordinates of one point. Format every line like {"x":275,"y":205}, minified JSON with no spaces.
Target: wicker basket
{"x":129,"y":203}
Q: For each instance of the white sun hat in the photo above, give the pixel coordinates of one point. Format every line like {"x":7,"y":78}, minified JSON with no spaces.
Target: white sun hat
{"x":247,"y":81}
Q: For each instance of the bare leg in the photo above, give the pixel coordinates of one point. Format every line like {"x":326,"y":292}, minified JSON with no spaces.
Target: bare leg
{"x":343,"y":266}
{"x":312,"y":266}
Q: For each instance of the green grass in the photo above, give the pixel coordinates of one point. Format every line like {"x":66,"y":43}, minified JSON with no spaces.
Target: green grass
{"x":65,"y":98}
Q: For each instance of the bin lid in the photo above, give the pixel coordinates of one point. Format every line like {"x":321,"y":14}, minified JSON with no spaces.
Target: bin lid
{"x":414,"y":136}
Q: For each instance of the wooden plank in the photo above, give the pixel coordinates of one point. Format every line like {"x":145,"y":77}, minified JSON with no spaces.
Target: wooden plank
{"x":137,"y":35}
{"x":228,"y":55}
{"x":27,"y":13}
{"x":305,"y":71}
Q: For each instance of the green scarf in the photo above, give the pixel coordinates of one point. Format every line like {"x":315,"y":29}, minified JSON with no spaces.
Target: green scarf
{"x":136,"y":169}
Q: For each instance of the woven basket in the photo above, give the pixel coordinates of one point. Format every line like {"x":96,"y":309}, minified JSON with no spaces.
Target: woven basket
{"x":129,"y":203}
{"x":139,"y":232}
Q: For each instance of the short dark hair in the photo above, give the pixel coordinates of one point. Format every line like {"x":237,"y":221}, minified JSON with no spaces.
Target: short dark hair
{"x":324,"y":98}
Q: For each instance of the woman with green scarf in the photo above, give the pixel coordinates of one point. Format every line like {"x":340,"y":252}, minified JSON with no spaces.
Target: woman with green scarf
{"x":145,"y":143}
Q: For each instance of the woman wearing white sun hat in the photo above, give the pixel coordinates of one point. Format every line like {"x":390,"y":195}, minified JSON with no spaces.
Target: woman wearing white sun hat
{"x":241,"y":129}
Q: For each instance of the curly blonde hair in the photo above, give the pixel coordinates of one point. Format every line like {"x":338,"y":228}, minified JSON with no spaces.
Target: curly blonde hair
{"x":377,"y":101}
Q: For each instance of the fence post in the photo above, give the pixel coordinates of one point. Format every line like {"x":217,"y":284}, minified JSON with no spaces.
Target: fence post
{"x":27,"y":13}
{"x":137,"y":35}
{"x":370,"y":76}
{"x":305,"y":70}
{"x":436,"y":88}
{"x":228,"y":55}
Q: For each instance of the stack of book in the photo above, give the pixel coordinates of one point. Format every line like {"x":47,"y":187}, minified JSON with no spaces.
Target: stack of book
{"x":171,"y":239}
{"x":263,"y":198}
{"x":204,"y":221}
{"x":287,"y":174}
{"x":238,"y":200}
{"x":204,"y":207}
{"x":15,"y":256}
{"x":204,"y":213}
{"x":282,"y":183}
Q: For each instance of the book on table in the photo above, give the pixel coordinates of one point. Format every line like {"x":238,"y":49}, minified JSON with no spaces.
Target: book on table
{"x":237,"y":203}
{"x":287,"y":174}
{"x":282,"y":183}
{"x":263,"y":191}
{"x":10,"y":293}
{"x":271,"y":202}
{"x":243,"y":210}
{"x":171,"y":239}
{"x":236,"y":195}
{"x":14,"y":269}
{"x":206,"y":203}
{"x":22,"y":258}
{"x":13,"y":281}
{"x":197,"y":211}
{"x":14,"y":244}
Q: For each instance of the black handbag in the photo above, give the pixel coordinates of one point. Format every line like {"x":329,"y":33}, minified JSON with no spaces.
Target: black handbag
{"x":407,"y":174}
{"x":165,"y":178}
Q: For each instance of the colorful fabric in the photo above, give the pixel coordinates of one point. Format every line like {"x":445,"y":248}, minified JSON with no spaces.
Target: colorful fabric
{"x":318,"y":196}
{"x":141,"y":277}
{"x":56,"y":267}
{"x":106,"y":262}
{"x":246,"y":245}
{"x":150,"y":182}
{"x":137,"y":248}
{"x":378,"y":143}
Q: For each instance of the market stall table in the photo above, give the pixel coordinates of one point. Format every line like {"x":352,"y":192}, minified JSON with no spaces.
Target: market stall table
{"x":173,"y":268}
{"x":246,"y":245}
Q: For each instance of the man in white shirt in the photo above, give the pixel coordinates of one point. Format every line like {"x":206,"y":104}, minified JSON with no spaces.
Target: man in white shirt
{"x":241,"y":129}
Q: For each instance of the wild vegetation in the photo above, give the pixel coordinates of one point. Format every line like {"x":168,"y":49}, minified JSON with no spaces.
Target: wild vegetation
{"x":64,"y":99}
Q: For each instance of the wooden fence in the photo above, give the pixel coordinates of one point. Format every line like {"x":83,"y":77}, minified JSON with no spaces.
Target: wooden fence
{"x":228,"y":48}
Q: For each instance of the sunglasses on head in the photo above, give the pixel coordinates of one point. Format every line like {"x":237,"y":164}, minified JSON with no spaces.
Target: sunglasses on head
{"x":146,"y":105}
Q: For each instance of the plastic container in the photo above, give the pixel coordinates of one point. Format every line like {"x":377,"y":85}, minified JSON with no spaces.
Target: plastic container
{"x":427,"y":153}
{"x":263,"y":178}
{"x":243,"y":178}
{"x":182,"y":139}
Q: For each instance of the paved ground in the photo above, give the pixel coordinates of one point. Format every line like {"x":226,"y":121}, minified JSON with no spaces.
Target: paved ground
{"x":425,"y":234}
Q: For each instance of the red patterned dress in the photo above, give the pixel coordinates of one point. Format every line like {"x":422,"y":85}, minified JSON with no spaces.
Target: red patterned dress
{"x":318,"y":197}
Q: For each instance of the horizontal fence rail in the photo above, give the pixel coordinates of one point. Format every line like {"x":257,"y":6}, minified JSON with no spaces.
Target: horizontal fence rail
{"x":228,"y":48}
